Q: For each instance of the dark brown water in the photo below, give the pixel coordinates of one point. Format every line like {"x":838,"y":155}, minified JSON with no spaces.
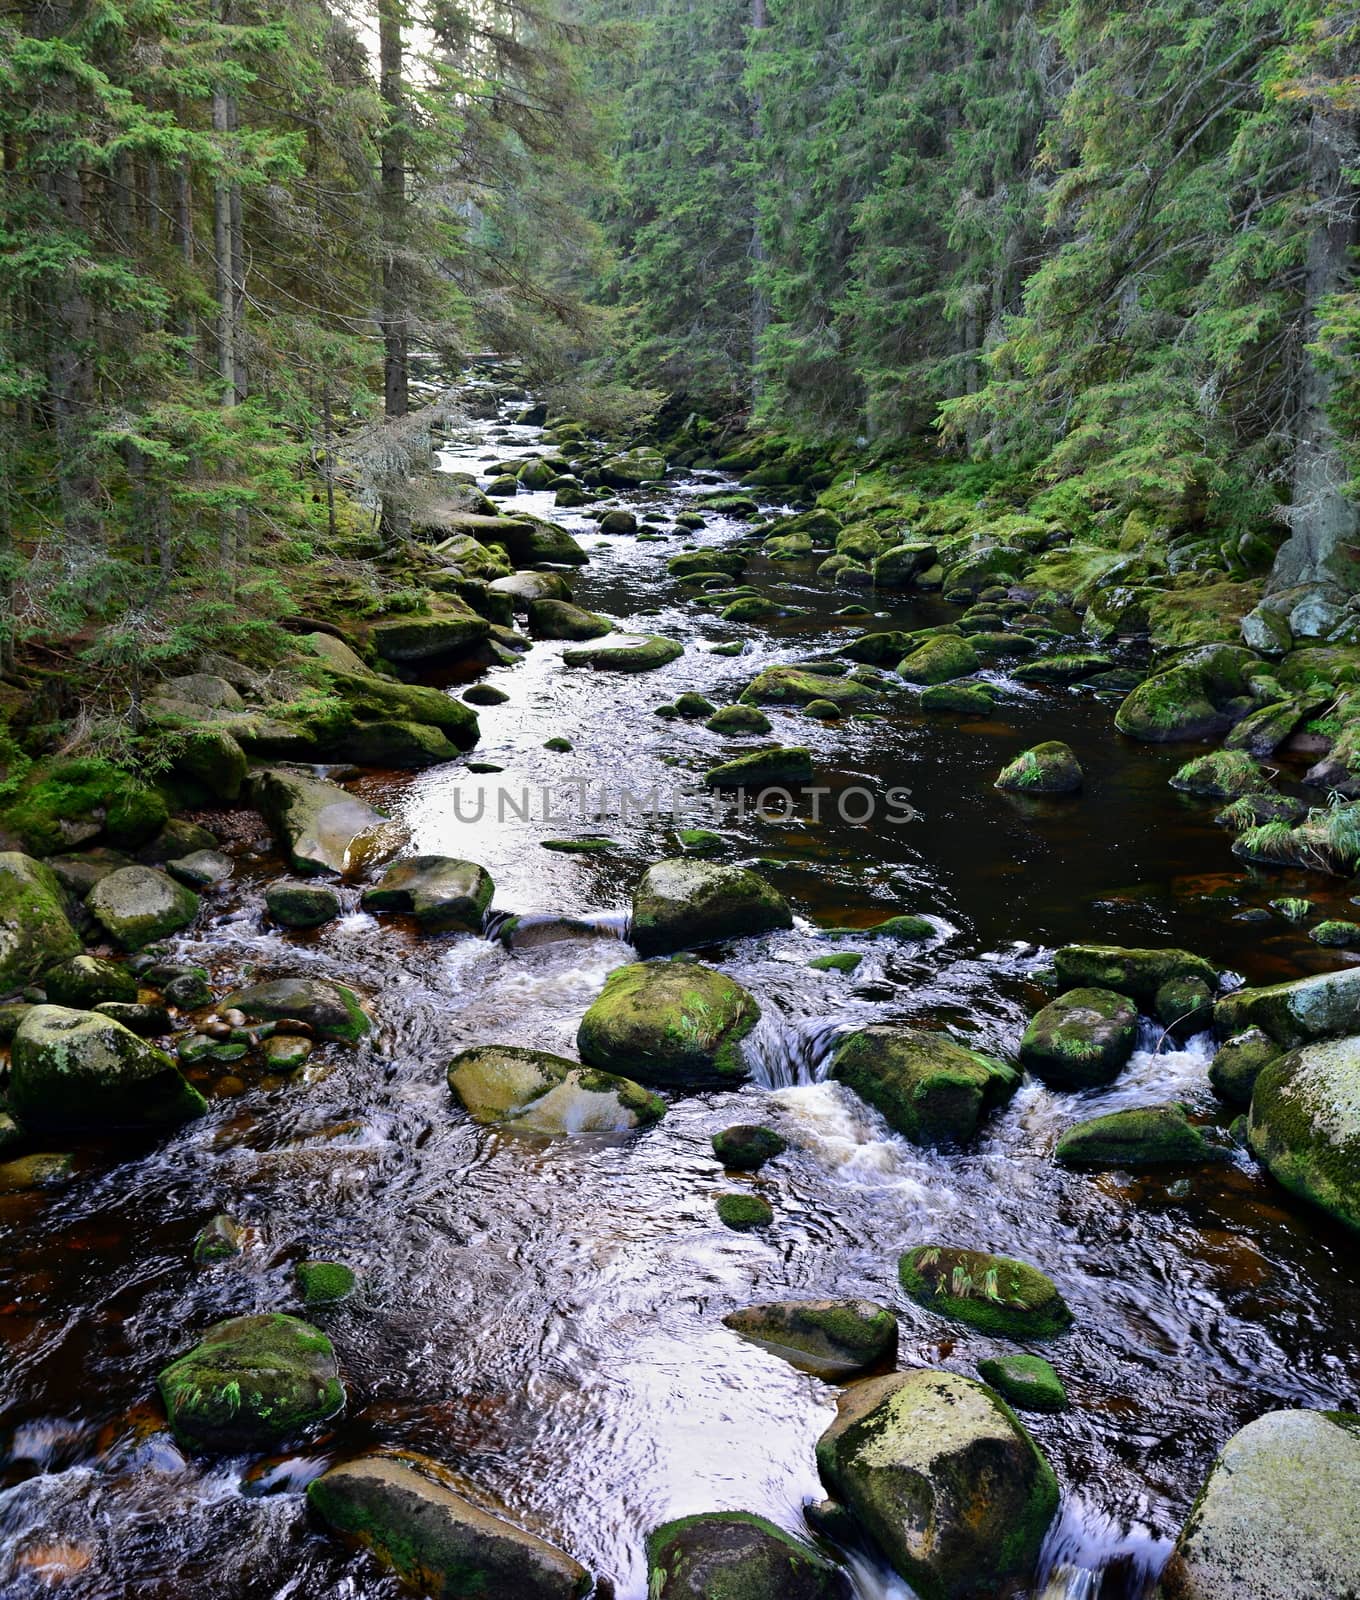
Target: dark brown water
{"x":546,"y":1317}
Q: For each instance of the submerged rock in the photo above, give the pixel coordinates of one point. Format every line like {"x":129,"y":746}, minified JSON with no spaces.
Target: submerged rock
{"x":324,"y":1283}
{"x":77,"y":1069}
{"x":543,"y":1093}
{"x":683,"y":902}
{"x":138,"y":905}
{"x":34,"y":928}
{"x":319,"y":826}
{"x":676,"y":1025}
{"x":250,"y":1383}
{"x":833,"y":1338}
{"x":1146,"y":1136}
{"x":398,"y":1509}
{"x":1006,"y":1298}
{"x":744,"y":1212}
{"x":1049,"y":768}
{"x":1277,"y":1515}
{"x":1025,"y":1381}
{"x":330,"y":1008}
{"x":746,"y":1146}
{"x":221,"y":1238}
{"x":440,"y":892}
{"x":624,"y":652}
{"x":1136,"y":973}
{"x":734,"y":1554}
{"x":929,"y":1087}
{"x":1305,"y":1125}
{"x":944,"y":1478}
{"x":1081,"y":1039}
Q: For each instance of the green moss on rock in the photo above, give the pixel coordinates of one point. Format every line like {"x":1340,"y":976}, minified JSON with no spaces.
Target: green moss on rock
{"x":999,"y":1296}
{"x":1147,"y":1136}
{"x":1028,"y":1382}
{"x":547,"y":1094}
{"x":1305,"y":1125}
{"x":682,"y":902}
{"x":929,"y":1087}
{"x":1081,"y":1039}
{"x":732,"y":1555}
{"x":1049,"y":768}
{"x":746,"y":1146}
{"x":744,"y":1212}
{"x":675,"y":1025}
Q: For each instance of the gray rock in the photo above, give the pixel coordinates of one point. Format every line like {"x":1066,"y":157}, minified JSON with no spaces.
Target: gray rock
{"x":832,"y":1338}
{"x":35,"y":931}
{"x":138,"y":905}
{"x":318,"y":825}
{"x":440,"y":892}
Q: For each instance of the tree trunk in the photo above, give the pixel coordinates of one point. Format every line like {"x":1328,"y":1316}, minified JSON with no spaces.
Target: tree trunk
{"x":760,"y":302}
{"x":1322,"y":553}
{"x":392,"y":197}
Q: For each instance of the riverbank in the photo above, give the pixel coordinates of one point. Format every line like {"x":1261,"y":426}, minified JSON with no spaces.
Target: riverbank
{"x":545,"y":1313}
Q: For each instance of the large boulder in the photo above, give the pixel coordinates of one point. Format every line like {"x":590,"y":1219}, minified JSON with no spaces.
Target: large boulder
{"x":77,"y":1069}
{"x":318,"y":825}
{"x":404,"y":1510}
{"x":1326,"y":1006}
{"x":939,"y":659}
{"x":945,"y":1479}
{"x":445,"y":634}
{"x":1081,"y":1039}
{"x":793,"y":686}
{"x":136,"y":906}
{"x":542,"y":1093}
{"x":632,"y":470}
{"x":1203,"y":693}
{"x":835,"y":1339}
{"x":1277,"y":1516}
{"x":1136,"y":973}
{"x":1002,"y":1297}
{"x":1305,"y":1124}
{"x":929,"y":1087}
{"x":734,"y":1554}
{"x":250,"y":1383}
{"x":524,"y":588}
{"x":329,"y":1008}
{"x":624,"y":652}
{"x":680,"y":902}
{"x":1238,"y":1062}
{"x":1143,"y":1136}
{"x":672,"y":1024}
{"x":371,"y":699}
{"x":35,"y":931}
{"x":440,"y":892}
{"x":763,"y":768}
{"x":83,"y":982}
{"x":560,"y":619}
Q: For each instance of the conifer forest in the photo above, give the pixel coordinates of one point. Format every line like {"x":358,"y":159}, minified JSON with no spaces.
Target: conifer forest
{"x":680,"y":800}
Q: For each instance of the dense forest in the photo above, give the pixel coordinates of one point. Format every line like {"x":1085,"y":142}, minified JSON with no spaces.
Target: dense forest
{"x":680,"y":799}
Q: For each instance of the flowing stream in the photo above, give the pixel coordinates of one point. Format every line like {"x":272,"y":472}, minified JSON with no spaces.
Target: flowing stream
{"x":546,"y":1316}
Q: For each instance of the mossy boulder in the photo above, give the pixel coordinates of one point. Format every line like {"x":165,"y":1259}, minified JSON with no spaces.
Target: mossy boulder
{"x":682,"y":902}
{"x":250,"y":1383}
{"x":1225,"y":774}
{"x":746,"y":1146}
{"x":900,"y":564}
{"x":318,"y":825}
{"x":547,"y":1094}
{"x":938,"y":660}
{"x":405,"y":1512}
{"x":208,"y":763}
{"x":73,"y":802}
{"x":1305,"y":1125}
{"x":448,"y":631}
{"x":930,"y":1088}
{"x":1049,"y":768}
{"x":83,"y":982}
{"x":329,"y":1008}
{"x":1203,"y":693}
{"x":692,"y":704}
{"x":136,"y":906}
{"x":688,"y":562}
{"x":625,"y":652}
{"x":733,"y":1554}
{"x":999,"y":1296}
{"x":1138,"y":973}
{"x":744,"y":1212}
{"x":877,"y":649}
{"x":1027,"y":1382}
{"x":945,"y":1480}
{"x":633,"y":469}
{"x":526,"y":587}
{"x":1067,"y":667}
{"x":1326,"y":1006}
{"x":373,"y":703}
{"x":324,"y":1283}
{"x":738,"y":719}
{"x":1081,"y":1039}
{"x":796,"y":686}
{"x":832,"y":1338}
{"x":1276,"y":1516}
{"x":35,"y":931}
{"x":1238,"y":1063}
{"x":1147,"y":1136}
{"x":302,"y":905}
{"x":77,"y":1069}
{"x":959,"y":699}
{"x":442,"y":893}
{"x":674,"y":1025}
{"x":759,"y":769}
{"x":560,"y":619}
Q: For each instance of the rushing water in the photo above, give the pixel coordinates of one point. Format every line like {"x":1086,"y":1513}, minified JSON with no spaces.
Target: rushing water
{"x":546,"y":1316}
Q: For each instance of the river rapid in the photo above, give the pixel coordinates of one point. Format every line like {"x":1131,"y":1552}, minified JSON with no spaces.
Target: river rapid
{"x":545,"y":1316}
